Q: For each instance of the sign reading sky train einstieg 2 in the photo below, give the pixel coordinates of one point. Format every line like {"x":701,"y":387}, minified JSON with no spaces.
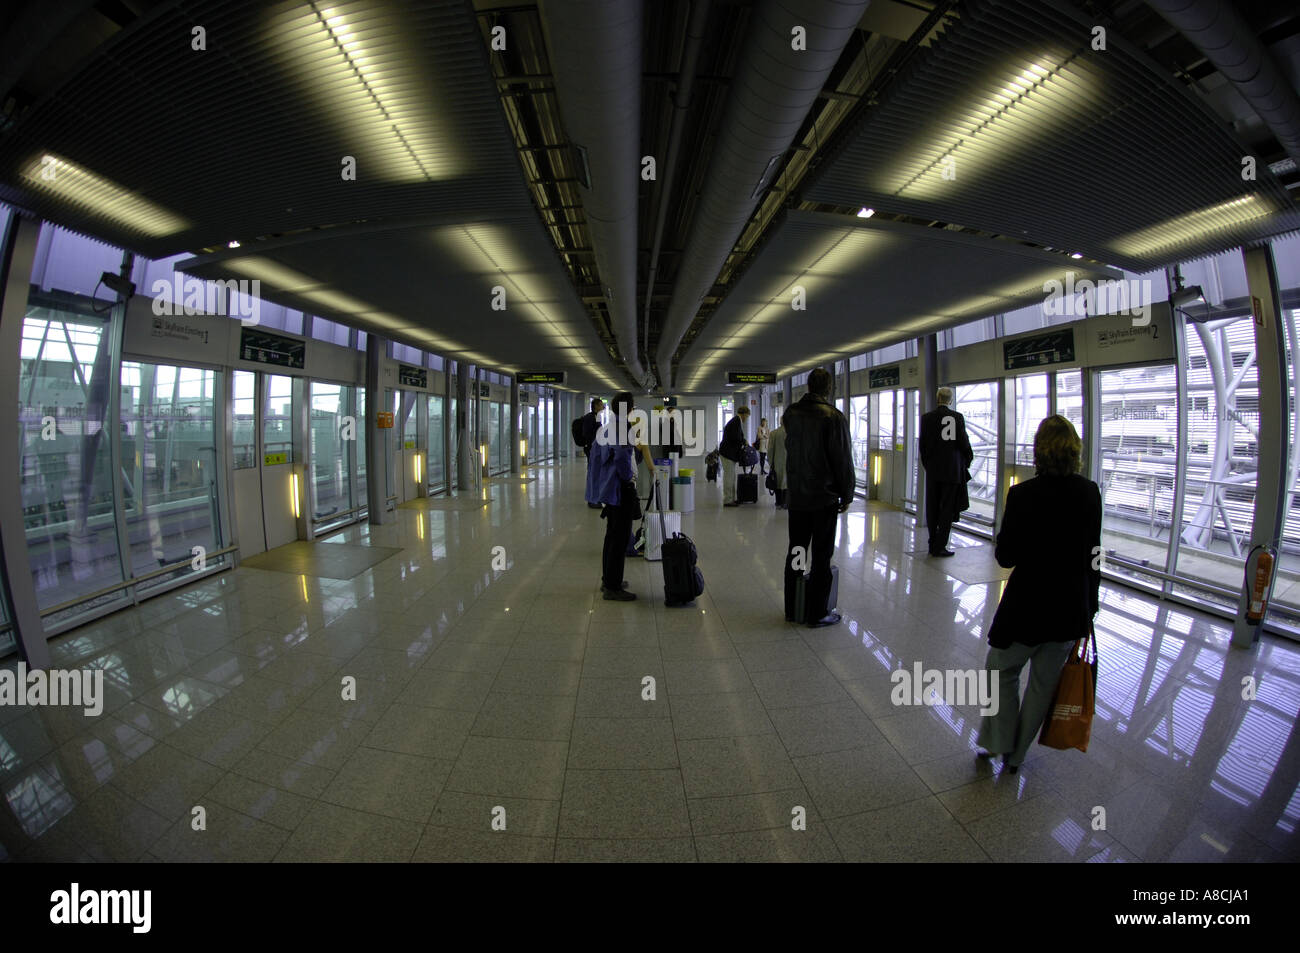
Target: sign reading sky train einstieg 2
{"x":1048,"y":347}
{"x":751,"y":377}
{"x":263,"y":347}
{"x":540,"y":377}
{"x":890,"y":376}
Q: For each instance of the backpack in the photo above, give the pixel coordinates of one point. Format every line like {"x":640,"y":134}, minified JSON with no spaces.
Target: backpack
{"x":576,"y":430}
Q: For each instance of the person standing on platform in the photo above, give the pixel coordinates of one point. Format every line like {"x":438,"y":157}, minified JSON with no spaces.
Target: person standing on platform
{"x":590,"y":424}
{"x":611,"y":485}
{"x":946,"y":455}
{"x":760,"y":444}
{"x":821,"y":482}
{"x":732,"y":451}
{"x":1050,"y":539}
{"x":776,"y":444}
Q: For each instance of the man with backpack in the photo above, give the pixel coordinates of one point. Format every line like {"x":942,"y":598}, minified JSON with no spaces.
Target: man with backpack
{"x":584,"y":433}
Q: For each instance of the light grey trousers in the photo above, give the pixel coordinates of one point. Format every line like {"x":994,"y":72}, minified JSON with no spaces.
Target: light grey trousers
{"x":1013,"y":729}
{"x":728,"y":480}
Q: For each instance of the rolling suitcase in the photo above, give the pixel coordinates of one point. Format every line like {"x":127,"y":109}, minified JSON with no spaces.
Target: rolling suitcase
{"x":683,"y":580}
{"x":668,"y":525}
{"x":746,"y":487}
{"x":796,"y":592}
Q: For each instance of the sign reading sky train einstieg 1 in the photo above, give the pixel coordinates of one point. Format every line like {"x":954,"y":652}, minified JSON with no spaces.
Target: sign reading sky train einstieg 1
{"x":540,"y":377}
{"x":751,"y":377}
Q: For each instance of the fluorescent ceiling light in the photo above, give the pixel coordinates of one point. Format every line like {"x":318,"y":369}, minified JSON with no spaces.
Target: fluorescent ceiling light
{"x":356,"y":60}
{"x":1170,"y":235}
{"x":232,"y":244}
{"x":71,"y":183}
{"x":1077,"y":255}
{"x":866,"y":212}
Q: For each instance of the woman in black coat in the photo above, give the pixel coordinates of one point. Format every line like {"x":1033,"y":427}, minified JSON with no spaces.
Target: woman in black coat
{"x":1051,"y":540}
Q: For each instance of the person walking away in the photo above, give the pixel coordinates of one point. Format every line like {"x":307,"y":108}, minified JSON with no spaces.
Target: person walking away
{"x":732,"y":451}
{"x":761,"y":444}
{"x":821,"y":482}
{"x":946,"y":455}
{"x":776,"y":446}
{"x":590,"y":425}
{"x":1051,"y":541}
{"x":613,"y":489}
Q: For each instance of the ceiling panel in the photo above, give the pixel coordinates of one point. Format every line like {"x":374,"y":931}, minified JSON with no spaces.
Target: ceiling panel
{"x":1011,"y":123}
{"x":434,"y":284}
{"x":866,"y":283}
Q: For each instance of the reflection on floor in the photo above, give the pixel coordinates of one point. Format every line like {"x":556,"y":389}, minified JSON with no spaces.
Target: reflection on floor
{"x":325,"y":558}
{"x":518,"y":694}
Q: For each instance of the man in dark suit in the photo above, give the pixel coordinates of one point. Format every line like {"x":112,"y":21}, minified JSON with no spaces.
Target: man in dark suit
{"x":590,"y":427}
{"x":946,"y":455}
{"x":821,"y":483}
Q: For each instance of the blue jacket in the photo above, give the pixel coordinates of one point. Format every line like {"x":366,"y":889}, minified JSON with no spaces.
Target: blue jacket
{"x":608,"y":468}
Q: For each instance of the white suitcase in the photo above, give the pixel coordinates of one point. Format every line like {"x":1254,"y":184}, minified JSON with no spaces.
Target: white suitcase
{"x":655,"y":528}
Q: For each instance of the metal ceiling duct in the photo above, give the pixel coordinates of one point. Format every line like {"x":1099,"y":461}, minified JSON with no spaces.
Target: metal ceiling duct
{"x":774,"y":87}
{"x":595,"y":54}
{"x":1229,"y":43}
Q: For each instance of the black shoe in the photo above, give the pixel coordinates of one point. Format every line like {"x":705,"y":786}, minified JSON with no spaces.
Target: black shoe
{"x":621,"y":595}
{"x":942,"y":553}
{"x":730,"y":504}
{"x":832,"y":618}
{"x":1012,"y":768}
{"x":593,"y":506}
{"x":624,"y":586}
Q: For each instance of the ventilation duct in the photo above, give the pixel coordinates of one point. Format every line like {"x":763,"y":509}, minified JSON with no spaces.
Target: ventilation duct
{"x":1229,"y":43}
{"x":595,"y":55}
{"x":774,"y":87}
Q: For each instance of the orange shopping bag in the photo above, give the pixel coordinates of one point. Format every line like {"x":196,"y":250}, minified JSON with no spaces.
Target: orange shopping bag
{"x":1069,"y":720}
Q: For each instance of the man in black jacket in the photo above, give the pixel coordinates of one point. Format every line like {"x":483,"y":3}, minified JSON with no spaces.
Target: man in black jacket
{"x":590,"y":427}
{"x":946,"y":455}
{"x":820,"y":485}
{"x":731,"y":450}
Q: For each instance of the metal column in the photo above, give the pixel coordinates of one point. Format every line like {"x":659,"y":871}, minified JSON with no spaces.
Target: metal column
{"x":1270,"y":359}
{"x":464,"y":473}
{"x":516,"y":459}
{"x":376,"y":444}
{"x":18,"y":247}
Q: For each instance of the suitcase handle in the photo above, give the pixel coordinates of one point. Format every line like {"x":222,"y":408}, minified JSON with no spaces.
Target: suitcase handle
{"x":663,"y":525}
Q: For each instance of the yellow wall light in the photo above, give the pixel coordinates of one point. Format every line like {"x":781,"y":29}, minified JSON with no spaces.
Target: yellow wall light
{"x":293,"y":491}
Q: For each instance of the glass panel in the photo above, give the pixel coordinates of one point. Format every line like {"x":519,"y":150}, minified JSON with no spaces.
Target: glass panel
{"x":885,"y":420}
{"x":322,"y":329}
{"x":363,"y":428}
{"x":859,"y":424}
{"x":436,"y":464}
{"x":331,"y":476}
{"x":66,"y":261}
{"x":169,"y":466}
{"x":411,"y":422}
{"x":1286,"y":592}
{"x":726,"y":410}
{"x":1031,"y":408}
{"x":455,"y":437}
{"x":1138,"y":459}
{"x":1222,"y":453}
{"x":1069,"y":400}
{"x":64,"y":458}
{"x":978,"y":403}
{"x":244,"y":434}
{"x":277,"y":416}
{"x":493,"y":410}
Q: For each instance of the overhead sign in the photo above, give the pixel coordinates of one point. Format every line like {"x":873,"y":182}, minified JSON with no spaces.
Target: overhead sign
{"x":1054,"y":346}
{"x":409,"y":376}
{"x":751,"y":377}
{"x":884,"y":376}
{"x":263,"y":347}
{"x":541,"y":377}
{"x":485,"y":390}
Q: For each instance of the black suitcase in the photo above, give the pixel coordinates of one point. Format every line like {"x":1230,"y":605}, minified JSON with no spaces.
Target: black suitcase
{"x":683,"y":580}
{"x":796,"y":589}
{"x":746,"y":487}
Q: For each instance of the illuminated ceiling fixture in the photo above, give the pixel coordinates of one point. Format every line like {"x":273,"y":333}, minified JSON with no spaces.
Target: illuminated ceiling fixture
{"x":1077,"y":255}
{"x":71,"y":183}
{"x":866,"y":212}
{"x":355,"y":60}
{"x":232,"y":244}
{"x":983,"y":135}
{"x":1168,"y":237}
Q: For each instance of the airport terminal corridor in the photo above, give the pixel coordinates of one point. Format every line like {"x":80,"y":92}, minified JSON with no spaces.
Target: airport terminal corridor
{"x":502,"y":714}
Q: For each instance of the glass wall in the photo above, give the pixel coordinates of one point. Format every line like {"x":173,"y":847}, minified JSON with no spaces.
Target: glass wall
{"x":331,"y":472}
{"x":860,"y":428}
{"x":1138,"y":460}
{"x":277,"y":416}
{"x":169,"y":467}
{"x":1031,"y":408}
{"x":436,"y":465}
{"x":1069,"y":401}
{"x":978,"y":403}
{"x":64,"y":455}
{"x":244,"y":434}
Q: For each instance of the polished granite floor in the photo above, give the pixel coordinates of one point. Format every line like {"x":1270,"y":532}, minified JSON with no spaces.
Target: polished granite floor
{"x":486,"y":696}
